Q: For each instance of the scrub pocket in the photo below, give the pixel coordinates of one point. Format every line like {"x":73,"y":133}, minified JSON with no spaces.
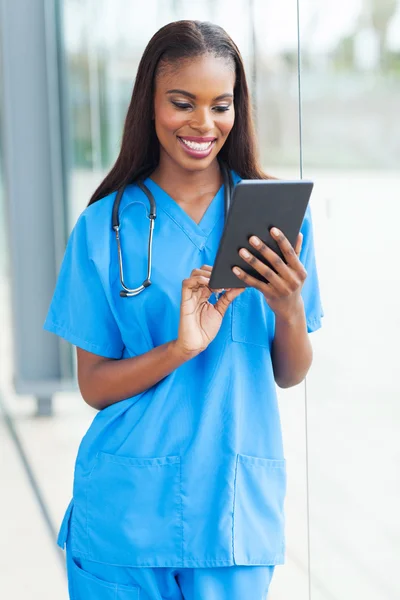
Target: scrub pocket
{"x":249,"y":318}
{"x":134,"y":509}
{"x":85,"y":586}
{"x":260,"y":489}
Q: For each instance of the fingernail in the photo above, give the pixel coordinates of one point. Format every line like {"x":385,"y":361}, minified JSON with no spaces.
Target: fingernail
{"x":244,"y":253}
{"x":275,"y":231}
{"x":255,"y":240}
{"x":236,"y":271}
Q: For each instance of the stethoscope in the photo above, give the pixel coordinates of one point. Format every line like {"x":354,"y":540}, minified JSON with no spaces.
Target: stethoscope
{"x":127,"y":292}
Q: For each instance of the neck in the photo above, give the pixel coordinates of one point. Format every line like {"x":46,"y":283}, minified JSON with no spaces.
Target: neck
{"x":170,"y":175}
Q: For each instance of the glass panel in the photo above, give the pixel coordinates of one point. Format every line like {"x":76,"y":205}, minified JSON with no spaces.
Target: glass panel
{"x":273,"y":76}
{"x":351,"y":88}
{"x":5,"y":301}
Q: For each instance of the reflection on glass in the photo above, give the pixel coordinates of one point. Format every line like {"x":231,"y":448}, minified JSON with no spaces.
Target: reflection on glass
{"x":350,"y":90}
{"x":5,"y":307}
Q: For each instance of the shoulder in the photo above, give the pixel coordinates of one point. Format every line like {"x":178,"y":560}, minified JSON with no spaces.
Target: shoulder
{"x":235,"y":177}
{"x":97,"y":213}
{"x":95,"y":222}
{"x":101,"y":211}
{"x":306,"y":227}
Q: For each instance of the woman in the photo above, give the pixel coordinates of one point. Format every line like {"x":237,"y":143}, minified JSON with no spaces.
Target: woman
{"x":180,"y":480}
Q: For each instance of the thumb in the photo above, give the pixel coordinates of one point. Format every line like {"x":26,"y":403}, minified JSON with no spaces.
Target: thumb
{"x":225,"y":300}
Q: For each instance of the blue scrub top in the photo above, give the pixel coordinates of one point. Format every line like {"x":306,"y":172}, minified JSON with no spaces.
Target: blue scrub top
{"x":191,"y":472}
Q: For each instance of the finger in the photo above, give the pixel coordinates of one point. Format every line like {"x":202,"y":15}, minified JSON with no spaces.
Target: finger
{"x":193,"y":284}
{"x":290,"y":254}
{"x":224,"y":301}
{"x":233,"y":293}
{"x":286,"y":248}
{"x":265,"y":288}
{"x":299,"y":244}
{"x":283,"y":271}
{"x":204,"y":268}
{"x":201,"y":271}
{"x":196,"y":281}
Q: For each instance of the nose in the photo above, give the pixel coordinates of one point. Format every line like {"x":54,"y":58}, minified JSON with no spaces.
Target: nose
{"x":202,"y":120}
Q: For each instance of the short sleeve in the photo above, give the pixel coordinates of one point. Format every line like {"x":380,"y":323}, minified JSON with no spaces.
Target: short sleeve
{"x":310,"y":291}
{"x":79,"y":311}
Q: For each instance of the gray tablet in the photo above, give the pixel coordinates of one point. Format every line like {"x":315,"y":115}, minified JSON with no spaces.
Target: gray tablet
{"x":257,"y":206}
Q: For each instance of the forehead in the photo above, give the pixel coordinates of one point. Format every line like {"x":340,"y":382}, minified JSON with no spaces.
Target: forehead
{"x":200,"y":75}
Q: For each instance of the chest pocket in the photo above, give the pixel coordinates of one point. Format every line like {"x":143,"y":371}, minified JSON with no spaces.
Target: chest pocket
{"x":250,"y":319}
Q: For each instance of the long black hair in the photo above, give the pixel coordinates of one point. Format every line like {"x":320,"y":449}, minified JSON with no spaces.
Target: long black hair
{"x":140,"y":147}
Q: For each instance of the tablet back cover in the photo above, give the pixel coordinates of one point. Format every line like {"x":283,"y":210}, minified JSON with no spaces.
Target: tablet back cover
{"x":257,"y":206}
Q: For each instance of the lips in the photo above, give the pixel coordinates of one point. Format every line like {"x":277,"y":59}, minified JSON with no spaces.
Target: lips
{"x":200,"y":140}
{"x":197,"y":147}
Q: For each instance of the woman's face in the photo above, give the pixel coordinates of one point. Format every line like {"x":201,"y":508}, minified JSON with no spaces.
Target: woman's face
{"x":194,"y":111}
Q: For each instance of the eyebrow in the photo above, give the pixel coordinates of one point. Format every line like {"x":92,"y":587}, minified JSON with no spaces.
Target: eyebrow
{"x":193,"y":97}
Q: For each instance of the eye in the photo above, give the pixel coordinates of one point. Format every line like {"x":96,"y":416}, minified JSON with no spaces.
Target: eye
{"x":221,"y":109}
{"x":181,"y":105}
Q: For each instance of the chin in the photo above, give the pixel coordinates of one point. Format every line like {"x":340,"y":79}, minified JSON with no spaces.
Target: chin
{"x":195,"y":164}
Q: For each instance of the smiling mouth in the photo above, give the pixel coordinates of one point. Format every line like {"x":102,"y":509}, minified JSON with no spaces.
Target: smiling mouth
{"x":202,"y":146}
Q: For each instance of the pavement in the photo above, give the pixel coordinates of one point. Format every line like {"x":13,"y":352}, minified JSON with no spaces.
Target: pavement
{"x":341,"y":427}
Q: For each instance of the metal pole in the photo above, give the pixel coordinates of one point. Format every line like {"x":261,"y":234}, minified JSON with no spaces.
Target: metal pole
{"x":35,"y":192}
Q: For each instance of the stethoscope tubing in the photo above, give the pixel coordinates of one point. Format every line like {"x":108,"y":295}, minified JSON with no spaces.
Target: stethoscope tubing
{"x":127,"y":292}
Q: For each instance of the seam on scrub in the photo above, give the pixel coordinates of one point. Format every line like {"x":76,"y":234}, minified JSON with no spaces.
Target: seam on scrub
{"x":90,"y":553}
{"x":210,"y":563}
{"x":213,"y":227}
{"x":314,"y":324}
{"x":67,"y":331}
{"x":72,"y":520}
{"x":271,"y":468}
{"x":244,"y":339}
{"x":106,"y":287}
{"x":63,"y":331}
{"x":277,"y":560}
{"x":195,"y":563}
{"x":112,"y":305}
{"x":183,"y":229}
{"x":125,"y":460}
{"x":233,"y":509}
{"x":180,"y":491}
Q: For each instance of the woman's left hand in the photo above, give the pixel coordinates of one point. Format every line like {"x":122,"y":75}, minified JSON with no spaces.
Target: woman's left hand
{"x":282,"y":290}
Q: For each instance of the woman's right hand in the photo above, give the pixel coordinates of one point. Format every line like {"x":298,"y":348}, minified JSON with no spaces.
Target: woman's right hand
{"x":200,"y":321}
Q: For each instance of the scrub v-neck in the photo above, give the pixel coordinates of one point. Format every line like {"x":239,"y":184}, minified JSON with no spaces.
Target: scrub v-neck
{"x":198,"y":232}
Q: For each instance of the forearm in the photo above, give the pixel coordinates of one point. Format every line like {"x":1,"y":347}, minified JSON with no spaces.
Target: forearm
{"x":109,"y":381}
{"x":291,"y":350}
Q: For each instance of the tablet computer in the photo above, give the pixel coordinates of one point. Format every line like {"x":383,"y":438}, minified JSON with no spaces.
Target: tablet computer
{"x":258,"y":205}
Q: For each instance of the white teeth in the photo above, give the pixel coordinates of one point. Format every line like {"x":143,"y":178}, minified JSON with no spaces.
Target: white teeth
{"x":196,"y":146}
